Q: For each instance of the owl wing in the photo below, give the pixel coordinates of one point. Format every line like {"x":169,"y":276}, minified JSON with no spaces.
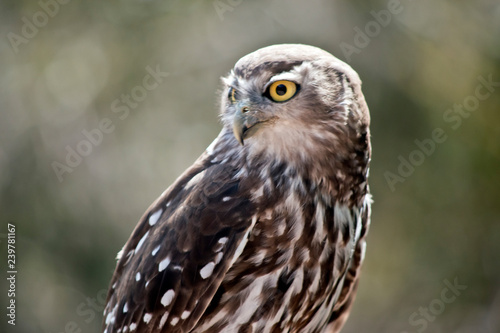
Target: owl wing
{"x":178,"y":254}
{"x":349,"y":287}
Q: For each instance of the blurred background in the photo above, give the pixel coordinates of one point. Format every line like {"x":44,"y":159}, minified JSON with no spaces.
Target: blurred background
{"x":104,"y":103}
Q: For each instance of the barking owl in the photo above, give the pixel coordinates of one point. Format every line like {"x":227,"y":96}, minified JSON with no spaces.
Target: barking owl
{"x":265,"y":232}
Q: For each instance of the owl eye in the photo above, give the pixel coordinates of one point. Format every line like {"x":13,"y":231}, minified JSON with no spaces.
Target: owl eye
{"x":281,"y":91}
{"x":232,"y":95}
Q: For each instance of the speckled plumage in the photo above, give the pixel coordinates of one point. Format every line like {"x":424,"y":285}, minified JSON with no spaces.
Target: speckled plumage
{"x":266,"y":231}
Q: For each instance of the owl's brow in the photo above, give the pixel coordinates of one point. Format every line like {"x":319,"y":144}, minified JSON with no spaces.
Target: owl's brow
{"x":274,"y":67}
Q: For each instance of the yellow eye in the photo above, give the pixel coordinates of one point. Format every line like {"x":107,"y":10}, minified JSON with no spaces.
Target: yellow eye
{"x":232,"y":96}
{"x":281,"y":91}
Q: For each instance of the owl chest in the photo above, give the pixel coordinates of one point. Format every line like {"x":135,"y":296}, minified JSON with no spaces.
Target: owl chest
{"x":289,"y":274}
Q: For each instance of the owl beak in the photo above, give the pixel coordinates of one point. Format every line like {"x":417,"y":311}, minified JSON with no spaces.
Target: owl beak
{"x":243,"y":121}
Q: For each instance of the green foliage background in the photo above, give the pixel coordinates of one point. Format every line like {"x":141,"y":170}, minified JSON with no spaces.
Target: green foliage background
{"x":441,"y":223}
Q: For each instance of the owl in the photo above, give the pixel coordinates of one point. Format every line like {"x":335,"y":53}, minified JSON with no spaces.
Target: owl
{"x":265,"y":232}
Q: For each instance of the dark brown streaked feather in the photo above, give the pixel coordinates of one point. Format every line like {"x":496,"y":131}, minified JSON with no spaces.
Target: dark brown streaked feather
{"x":267,"y":236}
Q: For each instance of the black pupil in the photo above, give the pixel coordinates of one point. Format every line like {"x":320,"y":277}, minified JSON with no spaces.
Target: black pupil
{"x":281,"y":89}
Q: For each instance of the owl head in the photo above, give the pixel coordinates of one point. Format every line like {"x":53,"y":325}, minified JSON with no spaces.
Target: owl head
{"x":295,"y":102}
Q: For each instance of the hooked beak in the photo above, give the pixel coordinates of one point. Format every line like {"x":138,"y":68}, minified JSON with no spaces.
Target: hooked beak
{"x":243,"y":121}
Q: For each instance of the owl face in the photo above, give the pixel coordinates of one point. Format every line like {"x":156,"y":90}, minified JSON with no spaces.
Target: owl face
{"x":265,"y":100}
{"x":291,"y":102}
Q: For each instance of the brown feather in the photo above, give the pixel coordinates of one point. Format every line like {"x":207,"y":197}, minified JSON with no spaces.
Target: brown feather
{"x":267,"y":236}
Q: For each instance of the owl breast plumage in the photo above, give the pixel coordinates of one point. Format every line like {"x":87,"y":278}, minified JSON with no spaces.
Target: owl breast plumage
{"x":265,"y":232}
